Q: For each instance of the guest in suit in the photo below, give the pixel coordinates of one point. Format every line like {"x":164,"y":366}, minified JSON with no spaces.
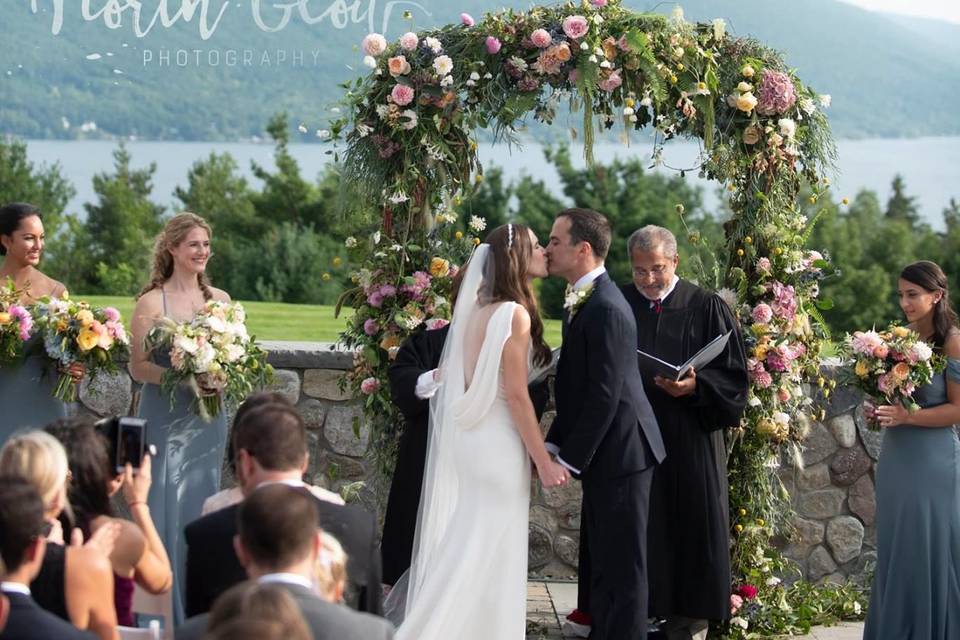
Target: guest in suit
{"x":411,"y":385}
{"x":271,"y":447}
{"x":605,"y":431}
{"x":279,"y":544}
{"x":22,"y":545}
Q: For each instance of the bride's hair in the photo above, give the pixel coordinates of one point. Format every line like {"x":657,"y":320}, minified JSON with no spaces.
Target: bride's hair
{"x":930,"y":277}
{"x":173,"y":234}
{"x":511,"y":250}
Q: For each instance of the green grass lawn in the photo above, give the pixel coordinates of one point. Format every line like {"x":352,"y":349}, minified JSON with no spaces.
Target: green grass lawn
{"x":279,"y":321}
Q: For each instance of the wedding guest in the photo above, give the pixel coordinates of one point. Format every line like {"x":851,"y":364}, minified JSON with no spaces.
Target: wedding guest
{"x":234,"y":495}
{"x":75,"y":583}
{"x":411,"y":385}
{"x":138,"y":556}
{"x":271,"y":448}
{"x":279,"y":543}
{"x":687,"y":539}
{"x":190,"y":450}
{"x":915,"y":591}
{"x":254,"y":601}
{"x":26,"y":390}
{"x":331,"y":569}
{"x":22,"y":546}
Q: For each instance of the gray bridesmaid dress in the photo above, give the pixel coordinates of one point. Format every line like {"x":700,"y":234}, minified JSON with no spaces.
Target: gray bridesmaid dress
{"x":916,"y":587}
{"x":186,"y":469}
{"x":26,"y":393}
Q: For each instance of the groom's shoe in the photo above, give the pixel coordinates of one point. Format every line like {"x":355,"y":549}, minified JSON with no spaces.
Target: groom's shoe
{"x":577,"y":625}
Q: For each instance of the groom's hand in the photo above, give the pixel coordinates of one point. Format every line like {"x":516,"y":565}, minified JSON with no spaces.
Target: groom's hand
{"x":685,"y":387}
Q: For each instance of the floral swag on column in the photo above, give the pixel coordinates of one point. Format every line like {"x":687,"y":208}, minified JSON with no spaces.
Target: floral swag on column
{"x":408,"y":147}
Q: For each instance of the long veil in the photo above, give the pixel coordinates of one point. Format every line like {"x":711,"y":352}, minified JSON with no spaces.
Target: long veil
{"x":440,"y":483}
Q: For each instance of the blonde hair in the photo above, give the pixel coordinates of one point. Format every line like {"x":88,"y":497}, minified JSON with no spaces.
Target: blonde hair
{"x":331,"y":568}
{"x":172,"y":235}
{"x":41,"y":460}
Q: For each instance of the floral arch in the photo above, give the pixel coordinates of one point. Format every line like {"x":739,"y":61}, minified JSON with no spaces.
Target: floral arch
{"x":409,"y":147}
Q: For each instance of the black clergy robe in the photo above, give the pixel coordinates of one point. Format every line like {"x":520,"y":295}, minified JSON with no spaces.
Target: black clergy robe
{"x":688,"y":547}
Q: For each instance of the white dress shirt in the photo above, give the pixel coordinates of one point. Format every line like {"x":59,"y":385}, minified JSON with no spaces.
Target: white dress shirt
{"x":286,"y":578}
{"x":15,"y":587}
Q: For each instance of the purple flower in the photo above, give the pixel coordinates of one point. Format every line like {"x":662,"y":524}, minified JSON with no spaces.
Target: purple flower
{"x":528,"y":83}
{"x":388,"y":291}
{"x":777,"y":94}
{"x":371,"y":326}
{"x":375,"y":299}
{"x":779,"y":359}
{"x":784,"y":301}
{"x":493,"y":45}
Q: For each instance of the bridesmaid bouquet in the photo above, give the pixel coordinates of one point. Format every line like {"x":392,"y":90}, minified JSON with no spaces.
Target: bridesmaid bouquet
{"x":16,"y":324}
{"x":76,"y":333}
{"x":213,"y":356}
{"x":889,"y":365}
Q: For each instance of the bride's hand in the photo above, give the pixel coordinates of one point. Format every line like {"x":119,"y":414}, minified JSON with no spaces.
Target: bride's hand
{"x":552,"y":474}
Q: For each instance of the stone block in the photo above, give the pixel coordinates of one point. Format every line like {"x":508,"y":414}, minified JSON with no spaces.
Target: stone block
{"x":307,"y":355}
{"x":822,"y":504}
{"x":819,"y":445}
{"x":844,"y":429}
{"x":848,"y":465}
{"x":871,"y":439}
{"x":540,"y":547}
{"x":543,"y":517}
{"x":287,"y":383}
{"x":569,"y":517}
{"x":862,"y":571}
{"x":568,"y":550}
{"x":845,"y":538}
{"x":324,"y":384}
{"x":570,"y":494}
{"x":807,"y":532}
{"x":862,"y":499}
{"x":813,"y":478}
{"x":338,"y":429}
{"x":836,"y":578}
{"x":313,"y":413}
{"x":820,"y":564}
{"x":107,"y":394}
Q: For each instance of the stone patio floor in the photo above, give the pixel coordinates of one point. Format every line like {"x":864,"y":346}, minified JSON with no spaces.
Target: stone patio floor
{"x":549,"y":602}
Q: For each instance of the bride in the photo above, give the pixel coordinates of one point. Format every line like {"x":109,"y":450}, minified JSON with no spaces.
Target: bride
{"x":468,"y":575}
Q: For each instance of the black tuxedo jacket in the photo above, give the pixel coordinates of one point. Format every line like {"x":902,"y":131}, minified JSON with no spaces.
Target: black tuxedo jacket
{"x":599,"y":393}
{"x":28,"y":621}
{"x":213,"y":567}
{"x":325,"y":619}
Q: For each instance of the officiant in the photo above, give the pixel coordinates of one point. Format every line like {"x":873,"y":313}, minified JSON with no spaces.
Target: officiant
{"x":411,"y":386}
{"x":687,"y":537}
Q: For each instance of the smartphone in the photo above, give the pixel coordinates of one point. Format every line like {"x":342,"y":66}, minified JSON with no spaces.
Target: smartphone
{"x":130,"y":444}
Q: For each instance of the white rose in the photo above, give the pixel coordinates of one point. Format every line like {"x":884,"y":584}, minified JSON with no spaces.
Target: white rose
{"x":443,"y":65}
{"x":186,"y":344}
{"x":922,"y":351}
{"x":788,"y":128}
{"x":204,"y":359}
{"x":216,"y":324}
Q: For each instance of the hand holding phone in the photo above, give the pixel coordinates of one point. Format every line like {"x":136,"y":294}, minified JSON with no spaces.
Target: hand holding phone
{"x":131,"y":434}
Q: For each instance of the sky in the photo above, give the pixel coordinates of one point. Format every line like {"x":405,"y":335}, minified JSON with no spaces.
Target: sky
{"x":938,"y":9}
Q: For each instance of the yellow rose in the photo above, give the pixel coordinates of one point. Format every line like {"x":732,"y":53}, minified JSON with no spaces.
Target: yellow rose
{"x":747,"y":71}
{"x":744,"y":87}
{"x":767,"y":427}
{"x":85,"y":317}
{"x":862,"y":369}
{"x":87,"y":339}
{"x":746,"y":102}
{"x":760,"y":352}
{"x":4,"y":318}
{"x":901,"y":332}
{"x":439,"y":268}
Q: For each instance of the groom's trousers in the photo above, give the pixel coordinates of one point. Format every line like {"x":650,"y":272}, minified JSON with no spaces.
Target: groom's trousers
{"x":616,"y":517}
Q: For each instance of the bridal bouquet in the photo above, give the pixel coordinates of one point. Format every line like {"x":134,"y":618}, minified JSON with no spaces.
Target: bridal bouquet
{"x":213,"y":356}
{"x":889,"y":365}
{"x":76,"y":333}
{"x":16,"y":324}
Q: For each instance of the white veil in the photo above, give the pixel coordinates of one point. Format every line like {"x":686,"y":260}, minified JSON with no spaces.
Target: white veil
{"x":440,"y":483}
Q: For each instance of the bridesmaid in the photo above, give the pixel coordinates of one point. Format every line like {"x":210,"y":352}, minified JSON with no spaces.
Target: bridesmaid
{"x":26,"y":391}
{"x":186,"y":470}
{"x":916,"y":587}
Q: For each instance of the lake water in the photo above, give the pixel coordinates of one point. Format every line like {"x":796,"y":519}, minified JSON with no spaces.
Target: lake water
{"x":930,"y":166}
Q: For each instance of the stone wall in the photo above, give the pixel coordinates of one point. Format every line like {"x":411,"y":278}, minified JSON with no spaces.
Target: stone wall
{"x":833,"y":494}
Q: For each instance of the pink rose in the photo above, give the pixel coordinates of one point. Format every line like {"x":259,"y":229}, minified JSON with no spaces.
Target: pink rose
{"x":371,"y":326}
{"x":881,"y":351}
{"x":541,"y":38}
{"x":779,"y":359}
{"x":409,"y":41}
{"x":436,"y":323}
{"x":598,"y":3}
{"x":402,"y":94}
{"x":374,"y":44}
{"x":783,"y":394}
{"x":575,"y":27}
{"x":886,"y":384}
{"x":467,"y":19}
{"x":611,"y":82}
{"x":763,"y":265}
{"x":493,"y":45}
{"x":735,"y":603}
{"x":369,"y":385}
{"x":762,"y":313}
{"x":111,"y":314}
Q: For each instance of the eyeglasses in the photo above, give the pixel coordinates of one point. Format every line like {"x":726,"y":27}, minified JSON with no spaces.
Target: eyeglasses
{"x":656,"y":271}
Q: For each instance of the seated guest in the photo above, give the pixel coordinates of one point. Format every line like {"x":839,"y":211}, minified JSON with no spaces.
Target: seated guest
{"x":22,"y":546}
{"x":74,"y":583}
{"x":247,"y":628}
{"x":331,"y":570}
{"x":138,"y":555}
{"x":254,"y":601}
{"x":271,"y":447}
{"x":279,"y":543}
{"x":234,"y":495}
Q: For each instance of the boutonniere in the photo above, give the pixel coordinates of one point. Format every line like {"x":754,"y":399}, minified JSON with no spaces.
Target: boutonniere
{"x":573,"y":300}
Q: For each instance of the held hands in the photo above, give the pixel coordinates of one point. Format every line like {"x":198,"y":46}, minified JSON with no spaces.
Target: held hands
{"x":890,"y":415}
{"x":684,"y":387}
{"x":552,"y":474}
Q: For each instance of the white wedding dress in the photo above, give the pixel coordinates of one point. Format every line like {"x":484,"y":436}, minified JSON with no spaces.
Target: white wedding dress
{"x":468,"y":577}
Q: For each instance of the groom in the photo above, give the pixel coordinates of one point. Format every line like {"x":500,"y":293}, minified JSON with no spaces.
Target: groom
{"x":605,"y":430}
